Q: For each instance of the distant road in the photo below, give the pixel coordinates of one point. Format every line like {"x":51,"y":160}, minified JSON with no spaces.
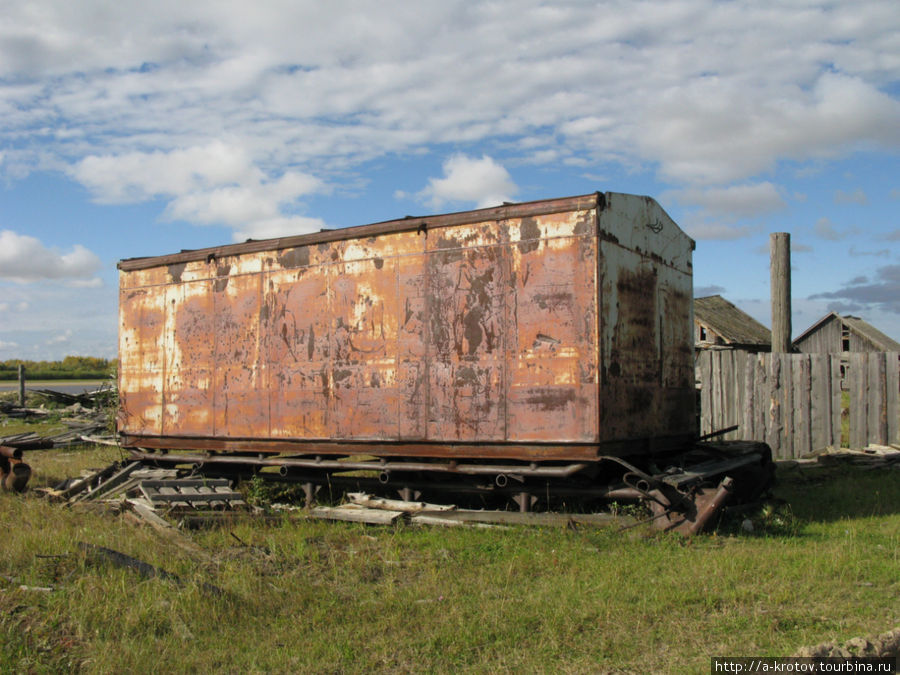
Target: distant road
{"x":64,"y":386}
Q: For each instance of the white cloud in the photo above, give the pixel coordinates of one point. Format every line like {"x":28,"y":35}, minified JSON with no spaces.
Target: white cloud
{"x":734,"y":202}
{"x":718,"y":230}
{"x":60,"y":338}
{"x":466,"y":179}
{"x":205,"y":185}
{"x":25,"y":259}
{"x":237,"y":114}
{"x":242,"y":205}
{"x":138,"y":176}
{"x":708,"y":92}
{"x":278,"y":227}
{"x":719,"y":130}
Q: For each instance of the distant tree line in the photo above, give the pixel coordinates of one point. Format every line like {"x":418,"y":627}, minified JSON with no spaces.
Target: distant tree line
{"x":70,"y":368}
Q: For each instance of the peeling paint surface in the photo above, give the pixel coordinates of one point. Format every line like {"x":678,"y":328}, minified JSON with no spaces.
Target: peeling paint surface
{"x":534,"y":329}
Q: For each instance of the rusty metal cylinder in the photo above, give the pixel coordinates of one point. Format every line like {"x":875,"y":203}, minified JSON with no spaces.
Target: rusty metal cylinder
{"x":10,"y":452}
{"x":18,"y":476}
{"x":715,"y":504}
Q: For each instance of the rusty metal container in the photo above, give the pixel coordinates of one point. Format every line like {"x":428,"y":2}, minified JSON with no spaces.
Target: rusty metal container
{"x":543,"y":331}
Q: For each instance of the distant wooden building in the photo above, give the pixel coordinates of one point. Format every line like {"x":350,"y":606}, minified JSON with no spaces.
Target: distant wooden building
{"x":835,"y":334}
{"x":718,"y":324}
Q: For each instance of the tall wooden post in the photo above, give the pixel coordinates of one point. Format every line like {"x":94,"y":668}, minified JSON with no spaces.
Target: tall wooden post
{"x":21,"y":386}
{"x":780,"y":269}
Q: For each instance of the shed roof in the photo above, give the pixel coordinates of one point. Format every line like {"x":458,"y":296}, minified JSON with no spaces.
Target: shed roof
{"x":858,"y":326}
{"x":732,"y":324}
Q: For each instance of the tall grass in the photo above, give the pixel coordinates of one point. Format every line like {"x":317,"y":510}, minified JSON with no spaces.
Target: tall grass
{"x":309,"y":596}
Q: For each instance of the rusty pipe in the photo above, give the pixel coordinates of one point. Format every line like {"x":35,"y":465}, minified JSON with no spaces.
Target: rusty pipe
{"x":18,"y":476}
{"x":711,"y":508}
{"x":10,"y":452}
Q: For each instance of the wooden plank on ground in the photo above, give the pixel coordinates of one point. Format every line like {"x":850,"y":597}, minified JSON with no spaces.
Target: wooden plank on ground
{"x":187,"y":482}
{"x":110,"y":484}
{"x":371,"y":502}
{"x":144,"y":509}
{"x":440,"y":520}
{"x":517,"y":518}
{"x":147,"y":514}
{"x":234,"y":499}
{"x":82,"y":484}
{"x":213,"y":501}
{"x":155,"y":474}
{"x":185,"y":493}
{"x":356,"y":514}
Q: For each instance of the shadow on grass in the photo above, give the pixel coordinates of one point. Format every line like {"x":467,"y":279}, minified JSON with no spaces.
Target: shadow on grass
{"x":816,"y":495}
{"x":830,"y":493}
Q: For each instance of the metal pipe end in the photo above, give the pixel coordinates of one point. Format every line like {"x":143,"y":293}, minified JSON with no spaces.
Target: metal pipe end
{"x":17,"y":478}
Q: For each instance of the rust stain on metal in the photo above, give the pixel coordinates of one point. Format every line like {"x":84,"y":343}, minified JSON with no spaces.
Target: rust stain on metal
{"x":545,"y":323}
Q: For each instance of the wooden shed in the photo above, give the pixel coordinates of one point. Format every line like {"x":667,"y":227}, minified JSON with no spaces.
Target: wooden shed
{"x":834,"y":334}
{"x":719,"y":324}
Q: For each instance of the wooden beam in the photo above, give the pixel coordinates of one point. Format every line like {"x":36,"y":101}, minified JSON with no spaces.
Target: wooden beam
{"x":780,"y":271}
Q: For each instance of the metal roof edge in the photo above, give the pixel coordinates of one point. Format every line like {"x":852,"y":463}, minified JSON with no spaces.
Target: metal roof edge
{"x":408,"y":224}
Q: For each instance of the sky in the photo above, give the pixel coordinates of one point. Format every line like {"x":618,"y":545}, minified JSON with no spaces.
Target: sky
{"x":133,"y":129}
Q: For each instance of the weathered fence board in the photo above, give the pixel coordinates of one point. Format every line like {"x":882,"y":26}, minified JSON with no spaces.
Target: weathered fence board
{"x":794,"y":401}
{"x":837,"y":409}
{"x":892,"y":387}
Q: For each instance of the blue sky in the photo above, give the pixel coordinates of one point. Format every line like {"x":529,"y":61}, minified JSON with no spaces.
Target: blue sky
{"x":133,"y":129}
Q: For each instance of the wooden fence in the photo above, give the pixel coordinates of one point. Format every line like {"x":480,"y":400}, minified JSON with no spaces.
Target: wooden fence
{"x":796,"y":402}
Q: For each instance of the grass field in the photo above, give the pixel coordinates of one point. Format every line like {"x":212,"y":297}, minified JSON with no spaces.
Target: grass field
{"x":309,"y":596}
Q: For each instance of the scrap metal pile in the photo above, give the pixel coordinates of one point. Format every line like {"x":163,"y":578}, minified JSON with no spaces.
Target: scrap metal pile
{"x":84,"y":417}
